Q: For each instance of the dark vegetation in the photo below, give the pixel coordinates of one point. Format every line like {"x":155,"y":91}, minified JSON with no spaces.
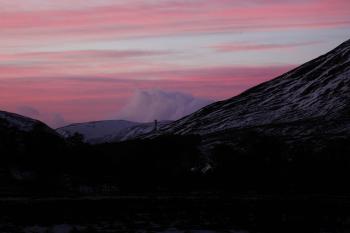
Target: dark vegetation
{"x":267,"y":164}
{"x":42,"y":163}
{"x":260,"y":183}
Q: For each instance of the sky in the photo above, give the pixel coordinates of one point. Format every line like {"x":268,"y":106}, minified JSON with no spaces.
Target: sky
{"x":83,"y":60}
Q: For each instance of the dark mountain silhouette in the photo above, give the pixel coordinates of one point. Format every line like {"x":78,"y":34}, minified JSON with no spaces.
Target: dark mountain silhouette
{"x":29,"y":149}
{"x":19,"y":122}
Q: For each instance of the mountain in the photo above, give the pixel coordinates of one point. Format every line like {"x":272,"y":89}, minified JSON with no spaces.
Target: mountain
{"x":308,"y":101}
{"x":109,"y":131}
{"x":27,"y":146}
{"x":18,"y":122}
{"x":19,"y":131}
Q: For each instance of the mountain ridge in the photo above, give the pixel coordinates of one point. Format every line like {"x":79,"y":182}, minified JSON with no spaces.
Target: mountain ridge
{"x":96,"y":132}
{"x":21,"y":122}
{"x":318,"y":89}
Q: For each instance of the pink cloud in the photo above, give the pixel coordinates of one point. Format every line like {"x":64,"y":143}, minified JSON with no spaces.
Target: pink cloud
{"x":78,"y":62}
{"x":150,"y":104}
{"x":79,"y":54}
{"x":238,"y":47}
{"x":86,"y":88}
{"x":89,"y":84}
{"x":140,"y":19}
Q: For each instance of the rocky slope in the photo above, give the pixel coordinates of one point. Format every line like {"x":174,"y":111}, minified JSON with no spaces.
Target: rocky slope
{"x":310,"y":100}
{"x":18,"y":122}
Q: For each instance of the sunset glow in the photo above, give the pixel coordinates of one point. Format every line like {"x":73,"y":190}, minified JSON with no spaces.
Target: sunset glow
{"x":82,"y":60}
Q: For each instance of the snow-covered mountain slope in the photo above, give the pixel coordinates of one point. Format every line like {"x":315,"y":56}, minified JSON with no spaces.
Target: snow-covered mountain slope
{"x":19,"y":122}
{"x":108,"y":131}
{"x":313,"y":98}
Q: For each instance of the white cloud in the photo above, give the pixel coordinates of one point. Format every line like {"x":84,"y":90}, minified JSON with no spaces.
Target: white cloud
{"x":149,"y":105}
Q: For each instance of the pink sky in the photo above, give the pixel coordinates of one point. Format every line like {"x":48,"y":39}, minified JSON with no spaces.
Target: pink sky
{"x":81,"y":60}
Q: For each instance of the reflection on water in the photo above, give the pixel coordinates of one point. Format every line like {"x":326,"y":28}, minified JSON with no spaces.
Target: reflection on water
{"x":106,"y":227}
{"x":175,"y":214}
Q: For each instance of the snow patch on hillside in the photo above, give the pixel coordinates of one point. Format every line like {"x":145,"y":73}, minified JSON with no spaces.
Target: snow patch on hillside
{"x":109,"y":131}
{"x":19,"y":122}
